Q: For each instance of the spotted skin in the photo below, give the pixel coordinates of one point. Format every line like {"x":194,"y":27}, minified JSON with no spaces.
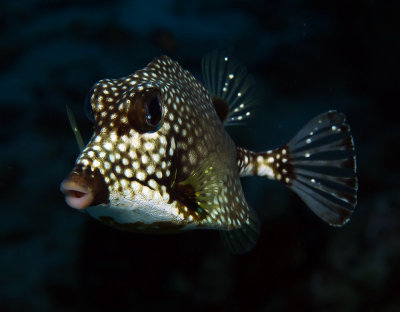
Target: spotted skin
{"x":160,"y":159}
{"x":273,"y":164}
{"x":143,"y":171}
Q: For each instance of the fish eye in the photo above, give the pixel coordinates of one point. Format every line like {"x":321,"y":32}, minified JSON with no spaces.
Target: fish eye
{"x":146,"y":111}
{"x":88,"y":105}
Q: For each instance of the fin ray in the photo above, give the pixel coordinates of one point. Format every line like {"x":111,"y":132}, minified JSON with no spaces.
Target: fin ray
{"x":229,"y":82}
{"x":318,"y":164}
{"x":74,"y":126}
{"x":244,"y":239}
{"x":324,"y":167}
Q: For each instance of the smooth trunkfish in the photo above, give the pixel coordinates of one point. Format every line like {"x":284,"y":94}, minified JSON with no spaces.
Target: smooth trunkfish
{"x":160,"y":159}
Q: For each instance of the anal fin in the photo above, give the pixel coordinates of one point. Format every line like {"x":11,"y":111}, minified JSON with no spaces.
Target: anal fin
{"x":244,"y":239}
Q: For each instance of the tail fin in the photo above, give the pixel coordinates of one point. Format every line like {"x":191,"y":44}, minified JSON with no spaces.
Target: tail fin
{"x":318,"y":164}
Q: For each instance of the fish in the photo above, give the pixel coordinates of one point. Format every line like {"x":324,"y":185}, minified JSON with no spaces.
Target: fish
{"x":160,"y":159}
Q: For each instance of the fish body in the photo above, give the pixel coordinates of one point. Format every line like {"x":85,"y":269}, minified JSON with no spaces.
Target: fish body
{"x":160,"y":159}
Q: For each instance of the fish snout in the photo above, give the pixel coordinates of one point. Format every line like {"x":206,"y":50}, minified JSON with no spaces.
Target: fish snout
{"x":84,"y":188}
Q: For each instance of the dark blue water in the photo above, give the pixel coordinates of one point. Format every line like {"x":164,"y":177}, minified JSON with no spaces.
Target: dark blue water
{"x":307,"y":57}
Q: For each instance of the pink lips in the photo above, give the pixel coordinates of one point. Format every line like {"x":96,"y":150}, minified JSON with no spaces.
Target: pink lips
{"x":77,"y":195}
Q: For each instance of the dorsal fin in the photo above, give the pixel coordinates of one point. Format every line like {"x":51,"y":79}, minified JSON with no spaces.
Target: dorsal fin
{"x":230,"y":87}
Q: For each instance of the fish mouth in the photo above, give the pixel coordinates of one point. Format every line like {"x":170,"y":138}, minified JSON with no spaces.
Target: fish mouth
{"x":77,"y":196}
{"x":83,"y":188}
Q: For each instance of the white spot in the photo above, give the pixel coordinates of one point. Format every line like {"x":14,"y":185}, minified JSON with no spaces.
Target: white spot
{"x":264,"y":170}
{"x":144,"y":159}
{"x":149,"y":146}
{"x":306,"y":155}
{"x":156,"y":157}
{"x":96,"y":163}
{"x":308,"y":141}
{"x":136,"y":186}
{"x":113,"y":137}
{"x":140,"y":175}
{"x":165,"y":196}
{"x":152,"y":183}
{"x":122,"y":147}
{"x":107,"y":146}
{"x":128,"y":173}
{"x":150,"y":169}
{"x":163,"y":140}
{"x":85,"y":162}
{"x":124,"y":183}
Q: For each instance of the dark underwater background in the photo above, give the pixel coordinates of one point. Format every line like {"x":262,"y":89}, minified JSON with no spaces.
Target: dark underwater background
{"x":306,"y":56}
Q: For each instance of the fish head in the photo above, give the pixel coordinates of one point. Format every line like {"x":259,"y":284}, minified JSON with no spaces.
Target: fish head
{"x":151,"y":130}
